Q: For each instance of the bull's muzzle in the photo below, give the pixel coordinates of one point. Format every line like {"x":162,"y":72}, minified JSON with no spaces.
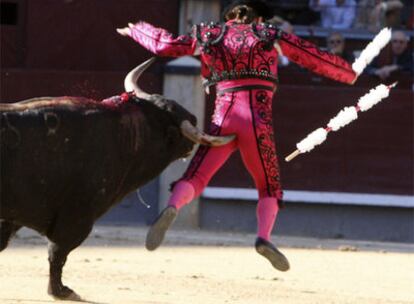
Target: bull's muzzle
{"x":187,"y":129}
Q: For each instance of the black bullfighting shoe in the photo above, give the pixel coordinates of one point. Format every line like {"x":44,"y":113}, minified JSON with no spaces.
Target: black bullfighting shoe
{"x":159,"y":227}
{"x":270,"y":252}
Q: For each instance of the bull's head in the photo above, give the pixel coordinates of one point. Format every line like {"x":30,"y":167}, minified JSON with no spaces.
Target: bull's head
{"x":182,"y":116}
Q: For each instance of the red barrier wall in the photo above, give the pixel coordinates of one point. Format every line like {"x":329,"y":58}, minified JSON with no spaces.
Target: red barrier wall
{"x":71,"y":47}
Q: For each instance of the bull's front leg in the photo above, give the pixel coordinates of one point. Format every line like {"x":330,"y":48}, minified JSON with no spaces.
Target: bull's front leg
{"x":68,"y":232}
{"x":57,"y":259}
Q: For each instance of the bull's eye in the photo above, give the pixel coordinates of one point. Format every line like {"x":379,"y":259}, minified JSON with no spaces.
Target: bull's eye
{"x":171,"y":106}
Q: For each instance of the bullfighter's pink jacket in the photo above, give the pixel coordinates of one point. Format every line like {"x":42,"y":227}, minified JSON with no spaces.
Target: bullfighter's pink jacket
{"x":241,"y":60}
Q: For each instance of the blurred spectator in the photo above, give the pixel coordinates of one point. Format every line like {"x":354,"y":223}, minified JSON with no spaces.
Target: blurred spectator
{"x":364,"y":12}
{"x":335,"y":44}
{"x":400,"y":59}
{"x":335,"y":14}
{"x":376,"y":14}
{"x":392,"y":16}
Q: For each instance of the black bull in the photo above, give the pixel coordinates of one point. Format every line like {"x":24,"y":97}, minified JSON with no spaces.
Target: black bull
{"x":66,"y":161}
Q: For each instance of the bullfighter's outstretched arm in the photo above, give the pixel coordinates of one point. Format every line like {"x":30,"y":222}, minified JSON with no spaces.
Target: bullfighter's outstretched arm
{"x":311,"y":57}
{"x":159,"y":41}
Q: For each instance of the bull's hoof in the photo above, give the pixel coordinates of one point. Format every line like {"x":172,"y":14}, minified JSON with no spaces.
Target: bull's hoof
{"x":64,"y":293}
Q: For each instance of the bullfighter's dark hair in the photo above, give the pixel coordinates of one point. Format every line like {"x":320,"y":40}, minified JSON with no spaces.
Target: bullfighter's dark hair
{"x":247,"y":10}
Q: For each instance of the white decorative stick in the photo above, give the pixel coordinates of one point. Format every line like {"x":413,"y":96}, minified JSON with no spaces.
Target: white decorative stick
{"x":344,"y":117}
{"x":372,"y":50}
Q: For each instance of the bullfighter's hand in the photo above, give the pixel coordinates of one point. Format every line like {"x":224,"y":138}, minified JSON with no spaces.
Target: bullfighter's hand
{"x":355,"y":79}
{"x":125,"y":31}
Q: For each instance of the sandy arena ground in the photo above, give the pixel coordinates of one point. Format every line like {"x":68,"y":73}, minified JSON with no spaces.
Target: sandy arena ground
{"x":207,"y":267}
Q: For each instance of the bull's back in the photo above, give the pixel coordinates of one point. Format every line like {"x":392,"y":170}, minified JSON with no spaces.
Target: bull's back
{"x":47,"y":146}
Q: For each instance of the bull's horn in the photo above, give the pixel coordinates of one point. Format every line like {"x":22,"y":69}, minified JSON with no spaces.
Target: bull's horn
{"x":130,"y":82}
{"x":195,"y":135}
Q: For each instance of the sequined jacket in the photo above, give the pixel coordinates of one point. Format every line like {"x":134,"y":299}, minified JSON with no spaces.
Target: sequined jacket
{"x":239,"y":51}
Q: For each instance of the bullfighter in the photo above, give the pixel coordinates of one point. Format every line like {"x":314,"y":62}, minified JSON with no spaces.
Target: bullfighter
{"x":240,"y":58}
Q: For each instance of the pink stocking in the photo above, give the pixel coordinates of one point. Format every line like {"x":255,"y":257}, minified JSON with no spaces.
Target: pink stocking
{"x":266,"y":212}
{"x":182,"y":194}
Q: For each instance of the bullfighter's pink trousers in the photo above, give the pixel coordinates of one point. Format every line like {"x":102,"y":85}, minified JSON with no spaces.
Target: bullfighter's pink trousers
{"x":244,"y":113}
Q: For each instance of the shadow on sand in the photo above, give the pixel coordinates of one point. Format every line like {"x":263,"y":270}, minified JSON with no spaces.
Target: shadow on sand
{"x":11,"y":301}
